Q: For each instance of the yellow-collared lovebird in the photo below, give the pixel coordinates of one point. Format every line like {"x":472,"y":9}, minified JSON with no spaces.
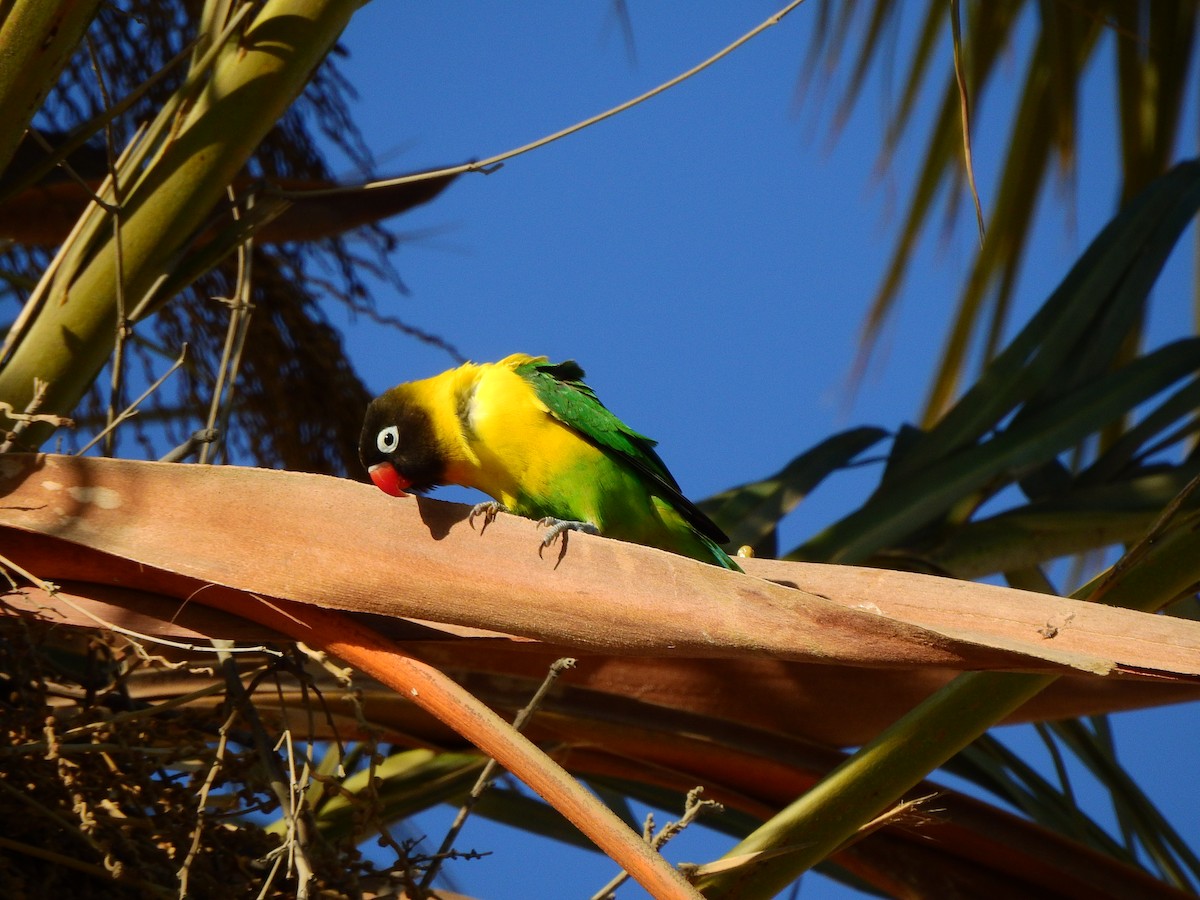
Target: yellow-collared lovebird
{"x":533,"y":436}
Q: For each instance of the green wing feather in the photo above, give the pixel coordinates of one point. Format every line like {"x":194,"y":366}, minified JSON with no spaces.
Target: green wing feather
{"x":560,"y":386}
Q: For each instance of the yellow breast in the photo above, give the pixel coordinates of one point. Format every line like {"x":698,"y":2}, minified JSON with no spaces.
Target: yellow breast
{"x":523,"y":453}
{"x":498,"y":437}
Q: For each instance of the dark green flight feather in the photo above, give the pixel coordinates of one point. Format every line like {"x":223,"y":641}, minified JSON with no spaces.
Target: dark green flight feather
{"x":560,"y":386}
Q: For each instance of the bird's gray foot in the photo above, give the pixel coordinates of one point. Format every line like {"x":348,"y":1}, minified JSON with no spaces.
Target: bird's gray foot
{"x":488,"y":510}
{"x":558,"y":527}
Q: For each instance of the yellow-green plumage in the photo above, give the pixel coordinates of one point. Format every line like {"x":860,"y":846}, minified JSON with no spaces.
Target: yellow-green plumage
{"x":535,"y":438}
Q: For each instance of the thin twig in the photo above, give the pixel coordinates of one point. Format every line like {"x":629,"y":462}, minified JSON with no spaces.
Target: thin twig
{"x":131,"y":410}
{"x":139,"y":636}
{"x":403,"y":327}
{"x":485,"y":777}
{"x":202,"y":801}
{"x":114,"y":209}
{"x":270,"y":879}
{"x":241,"y":315}
{"x":298,"y":838}
{"x":490,"y":164}
{"x":37,"y":137}
{"x":24,"y":419}
{"x":65,"y":261}
{"x":51,"y":590}
{"x":694,"y":805}
{"x":195,"y":441}
{"x":297,"y":801}
{"x":221,"y":404}
{"x":39,"y":392}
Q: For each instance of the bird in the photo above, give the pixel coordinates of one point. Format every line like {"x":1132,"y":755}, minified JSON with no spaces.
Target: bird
{"x":535,"y":438}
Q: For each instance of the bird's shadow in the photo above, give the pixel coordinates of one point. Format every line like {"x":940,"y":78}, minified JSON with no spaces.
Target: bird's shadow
{"x":439,"y":516}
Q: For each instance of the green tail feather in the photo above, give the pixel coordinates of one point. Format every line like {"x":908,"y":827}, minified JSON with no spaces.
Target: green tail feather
{"x":720,"y":557}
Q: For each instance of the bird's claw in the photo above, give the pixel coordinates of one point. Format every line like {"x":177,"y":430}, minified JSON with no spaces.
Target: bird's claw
{"x":488,"y":509}
{"x":557,"y":527}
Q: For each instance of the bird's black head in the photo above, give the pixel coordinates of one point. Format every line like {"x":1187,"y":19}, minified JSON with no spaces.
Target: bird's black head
{"x":399,"y":447}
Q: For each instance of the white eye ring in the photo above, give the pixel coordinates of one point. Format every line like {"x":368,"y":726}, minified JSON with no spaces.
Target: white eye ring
{"x":388,"y":439}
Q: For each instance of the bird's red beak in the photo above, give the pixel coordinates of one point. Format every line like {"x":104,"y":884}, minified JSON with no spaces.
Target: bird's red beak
{"x":387,"y":479}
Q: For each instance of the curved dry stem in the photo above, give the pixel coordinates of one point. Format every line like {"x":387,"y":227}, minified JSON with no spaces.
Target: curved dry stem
{"x":493,"y":162}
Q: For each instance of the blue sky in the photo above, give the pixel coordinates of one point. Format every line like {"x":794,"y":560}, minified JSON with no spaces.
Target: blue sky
{"x":708,"y":257}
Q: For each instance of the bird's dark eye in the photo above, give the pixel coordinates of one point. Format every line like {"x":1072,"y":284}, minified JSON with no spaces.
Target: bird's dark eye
{"x":388,"y":439}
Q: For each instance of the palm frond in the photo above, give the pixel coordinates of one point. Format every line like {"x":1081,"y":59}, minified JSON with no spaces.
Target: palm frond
{"x":1153,"y":45}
